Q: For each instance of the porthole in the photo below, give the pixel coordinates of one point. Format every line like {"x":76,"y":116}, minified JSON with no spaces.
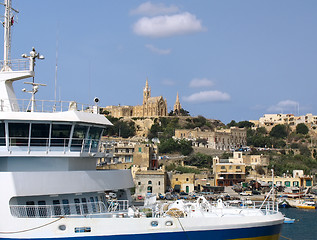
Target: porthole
{"x":62,"y":227}
{"x":169,"y":223}
{"x":154,"y":223}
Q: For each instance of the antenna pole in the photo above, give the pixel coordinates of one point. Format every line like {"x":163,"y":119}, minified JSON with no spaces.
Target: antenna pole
{"x":7,"y":32}
{"x":8,"y":22}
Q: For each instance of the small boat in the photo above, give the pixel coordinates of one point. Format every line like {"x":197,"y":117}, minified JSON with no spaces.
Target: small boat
{"x":303,"y":204}
{"x":283,"y":203}
{"x":289,"y":220}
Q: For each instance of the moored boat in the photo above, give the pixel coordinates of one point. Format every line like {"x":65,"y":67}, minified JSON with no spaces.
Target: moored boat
{"x":50,"y":188}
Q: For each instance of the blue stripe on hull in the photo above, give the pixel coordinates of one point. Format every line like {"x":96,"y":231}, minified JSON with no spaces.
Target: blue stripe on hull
{"x":240,"y":233}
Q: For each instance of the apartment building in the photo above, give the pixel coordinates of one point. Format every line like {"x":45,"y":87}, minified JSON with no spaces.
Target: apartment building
{"x":223,"y":139}
{"x":228,"y":172}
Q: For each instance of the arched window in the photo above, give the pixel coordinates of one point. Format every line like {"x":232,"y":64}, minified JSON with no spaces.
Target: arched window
{"x":159,"y":182}
{"x":149,"y":182}
{"x":149,"y":189}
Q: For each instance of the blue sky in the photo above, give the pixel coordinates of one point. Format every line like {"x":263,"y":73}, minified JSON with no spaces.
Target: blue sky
{"x":227,"y":59}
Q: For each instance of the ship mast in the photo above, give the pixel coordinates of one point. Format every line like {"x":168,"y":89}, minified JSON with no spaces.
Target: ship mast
{"x":8,"y":22}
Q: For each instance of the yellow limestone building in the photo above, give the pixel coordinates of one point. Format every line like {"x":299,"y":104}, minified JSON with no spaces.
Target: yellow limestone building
{"x":151,"y":107}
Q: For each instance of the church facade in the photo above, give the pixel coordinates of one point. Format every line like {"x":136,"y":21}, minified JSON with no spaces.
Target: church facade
{"x":151,"y":107}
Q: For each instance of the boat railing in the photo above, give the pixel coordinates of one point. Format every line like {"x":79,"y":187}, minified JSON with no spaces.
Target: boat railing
{"x":25,"y":105}
{"x":117,"y":205}
{"x":268,"y":207}
{"x":74,"y":209}
{"x":52,"y":144}
{"x":16,"y":64}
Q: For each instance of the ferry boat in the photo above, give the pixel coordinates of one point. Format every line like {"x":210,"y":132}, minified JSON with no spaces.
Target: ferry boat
{"x":50,"y":188}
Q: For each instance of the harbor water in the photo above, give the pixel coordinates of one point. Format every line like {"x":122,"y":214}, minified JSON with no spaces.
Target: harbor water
{"x":304,"y":227}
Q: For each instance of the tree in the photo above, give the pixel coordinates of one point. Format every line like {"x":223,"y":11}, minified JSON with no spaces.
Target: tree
{"x":279,"y":131}
{"x":302,"y":129}
{"x":245,"y":124}
{"x":232,"y":124}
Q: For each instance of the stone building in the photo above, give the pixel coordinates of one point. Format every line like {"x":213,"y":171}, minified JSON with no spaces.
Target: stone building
{"x":151,"y":107}
{"x":298,"y":179}
{"x":223,"y":139}
{"x":228,"y":172}
{"x":123,"y":154}
{"x":258,"y":163}
{"x":183,"y":182}
{"x":149,"y":181}
{"x":270,"y":120}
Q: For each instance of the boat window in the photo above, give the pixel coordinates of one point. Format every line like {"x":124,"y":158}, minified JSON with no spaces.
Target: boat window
{"x":82,"y":229}
{"x":2,"y":134}
{"x":94,"y":133}
{"x":19,"y":134}
{"x":93,"y":205}
{"x":39,"y":134}
{"x":57,"y":208}
{"x":93,"y":137}
{"x":66,"y":206}
{"x":60,"y":134}
{"x":85,"y":207}
{"x":42,"y":210}
{"x":79,"y":135}
{"x":76,"y":201}
{"x":30,"y":211}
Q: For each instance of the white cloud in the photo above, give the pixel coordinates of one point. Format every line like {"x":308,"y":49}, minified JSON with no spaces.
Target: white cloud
{"x":165,"y":26}
{"x":200,"y":82}
{"x":150,"y":9}
{"x":157,"y":50}
{"x":168,"y":82}
{"x":284,"y":106}
{"x":207,"y":96}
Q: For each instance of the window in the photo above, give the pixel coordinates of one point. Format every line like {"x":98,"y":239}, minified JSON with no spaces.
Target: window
{"x":76,"y":201}
{"x":66,"y":206}
{"x":40,"y":134}
{"x":19,"y":134}
{"x":238,"y":167}
{"x":308,"y":183}
{"x":176,"y":179}
{"x":30,"y":211}
{"x":159,"y":183}
{"x":85,"y":207}
{"x":140,"y":149}
{"x":79,"y":135}
{"x":187,"y":179}
{"x":149,"y":189}
{"x":94,"y":136}
{"x":295,"y":184}
{"x":42,"y":210}
{"x":287,"y":183}
{"x":223,"y":167}
{"x":139,"y":183}
{"x":82,"y":229}
{"x":93,"y":205}
{"x":60,"y":134}
{"x":57,"y":208}
{"x":2,"y":134}
{"x":150,"y":182}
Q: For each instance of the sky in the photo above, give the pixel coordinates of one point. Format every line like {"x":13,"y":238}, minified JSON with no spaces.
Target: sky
{"x":228,"y":59}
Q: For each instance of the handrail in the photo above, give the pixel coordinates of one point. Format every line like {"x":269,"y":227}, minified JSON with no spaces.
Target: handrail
{"x":16,"y":64}
{"x":73,"y":209}
{"x":44,"y":105}
{"x":76,"y":145}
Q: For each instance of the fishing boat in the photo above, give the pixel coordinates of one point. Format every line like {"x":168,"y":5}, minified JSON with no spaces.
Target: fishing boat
{"x":302,"y":203}
{"x":51,"y":189}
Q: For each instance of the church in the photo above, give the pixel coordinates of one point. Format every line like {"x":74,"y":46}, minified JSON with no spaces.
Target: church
{"x":151,"y":107}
